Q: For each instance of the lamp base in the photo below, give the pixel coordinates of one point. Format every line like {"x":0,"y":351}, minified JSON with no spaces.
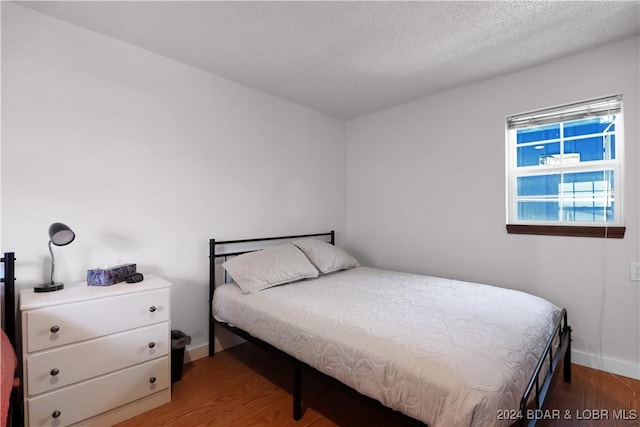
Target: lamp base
{"x":48,"y":287}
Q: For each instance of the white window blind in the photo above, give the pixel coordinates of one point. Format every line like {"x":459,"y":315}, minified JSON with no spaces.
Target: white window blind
{"x":582,"y":110}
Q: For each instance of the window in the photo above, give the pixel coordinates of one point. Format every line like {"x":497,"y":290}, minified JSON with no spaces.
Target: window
{"x":564,"y":170}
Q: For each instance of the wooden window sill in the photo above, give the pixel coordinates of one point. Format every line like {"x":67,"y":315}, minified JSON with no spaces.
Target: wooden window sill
{"x":567,"y":230}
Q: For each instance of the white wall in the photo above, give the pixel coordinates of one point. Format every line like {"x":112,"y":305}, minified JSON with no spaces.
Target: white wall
{"x":426,"y":193}
{"x":146,"y":159}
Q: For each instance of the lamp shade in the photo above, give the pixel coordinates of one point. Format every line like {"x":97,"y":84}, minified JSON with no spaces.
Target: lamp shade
{"x":60,"y":234}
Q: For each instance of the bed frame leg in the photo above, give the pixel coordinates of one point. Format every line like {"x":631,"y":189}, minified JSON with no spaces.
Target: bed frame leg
{"x":567,"y":359}
{"x":297,"y":392}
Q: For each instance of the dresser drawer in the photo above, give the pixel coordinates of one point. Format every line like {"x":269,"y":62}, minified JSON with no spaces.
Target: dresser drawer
{"x":62,"y":407}
{"x":59,"y":325}
{"x":48,"y":370}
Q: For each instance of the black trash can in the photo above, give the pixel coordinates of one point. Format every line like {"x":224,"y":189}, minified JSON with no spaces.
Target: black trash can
{"x":179,"y":340}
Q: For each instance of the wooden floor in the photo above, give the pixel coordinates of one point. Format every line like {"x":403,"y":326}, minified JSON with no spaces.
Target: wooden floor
{"x":246,"y":386}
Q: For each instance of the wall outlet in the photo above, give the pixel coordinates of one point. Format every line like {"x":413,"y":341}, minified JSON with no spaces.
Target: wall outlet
{"x":634,"y":271}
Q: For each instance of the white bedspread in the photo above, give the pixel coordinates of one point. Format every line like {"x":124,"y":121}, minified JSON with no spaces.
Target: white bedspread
{"x":446,"y":352}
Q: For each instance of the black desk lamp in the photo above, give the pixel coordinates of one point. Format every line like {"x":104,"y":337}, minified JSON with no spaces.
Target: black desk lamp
{"x":59,"y":235}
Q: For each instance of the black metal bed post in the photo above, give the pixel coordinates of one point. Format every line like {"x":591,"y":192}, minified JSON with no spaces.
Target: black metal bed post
{"x":9,"y":296}
{"x":297,"y":391}
{"x":15,"y":416}
{"x":212,"y":288}
{"x":333,"y":237}
{"x":567,"y":355}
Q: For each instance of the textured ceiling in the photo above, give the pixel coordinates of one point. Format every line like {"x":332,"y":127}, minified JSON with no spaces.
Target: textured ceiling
{"x":348,"y":59}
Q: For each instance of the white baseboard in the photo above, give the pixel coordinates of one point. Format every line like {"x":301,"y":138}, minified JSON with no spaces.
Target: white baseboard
{"x":617,"y":367}
{"x":199,"y":352}
{"x":196,"y":353}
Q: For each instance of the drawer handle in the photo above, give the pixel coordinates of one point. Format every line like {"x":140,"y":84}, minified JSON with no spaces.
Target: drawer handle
{"x":152,"y":380}
{"x":54,"y":372}
{"x":54,"y":329}
{"x":56,"y":414}
{"x":152,"y":344}
{"x":152,"y":308}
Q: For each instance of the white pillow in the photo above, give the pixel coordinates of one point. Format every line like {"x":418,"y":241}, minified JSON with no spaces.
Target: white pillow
{"x":269,"y":267}
{"x":325,"y":256}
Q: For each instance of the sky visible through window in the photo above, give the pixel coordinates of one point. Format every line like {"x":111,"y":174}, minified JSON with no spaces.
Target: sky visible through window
{"x":556,"y":186}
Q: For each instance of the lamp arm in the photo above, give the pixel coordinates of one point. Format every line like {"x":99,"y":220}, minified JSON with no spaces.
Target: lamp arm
{"x":52,"y":262}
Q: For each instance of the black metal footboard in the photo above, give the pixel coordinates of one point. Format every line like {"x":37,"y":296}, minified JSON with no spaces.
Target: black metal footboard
{"x":531,"y":409}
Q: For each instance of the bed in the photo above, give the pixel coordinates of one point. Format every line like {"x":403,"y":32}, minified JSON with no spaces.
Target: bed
{"x":438,"y":351}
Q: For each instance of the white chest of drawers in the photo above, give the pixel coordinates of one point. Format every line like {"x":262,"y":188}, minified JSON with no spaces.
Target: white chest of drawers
{"x":95,"y":355}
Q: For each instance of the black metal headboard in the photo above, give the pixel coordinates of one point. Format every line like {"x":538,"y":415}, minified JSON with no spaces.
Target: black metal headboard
{"x":9,"y":281}
{"x":261,"y":243}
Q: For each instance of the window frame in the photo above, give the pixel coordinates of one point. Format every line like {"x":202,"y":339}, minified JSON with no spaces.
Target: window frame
{"x":560,"y":115}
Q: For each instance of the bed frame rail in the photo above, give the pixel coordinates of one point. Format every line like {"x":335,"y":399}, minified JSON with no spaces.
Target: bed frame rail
{"x":530,"y":413}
